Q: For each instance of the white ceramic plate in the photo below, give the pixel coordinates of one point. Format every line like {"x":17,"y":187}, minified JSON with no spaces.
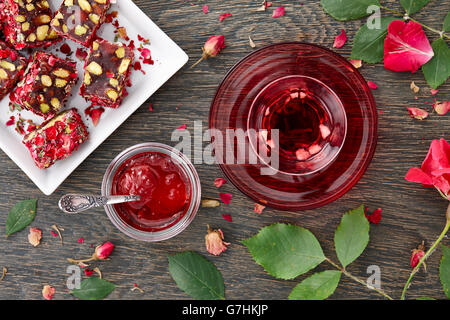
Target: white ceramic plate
{"x":168,"y":57}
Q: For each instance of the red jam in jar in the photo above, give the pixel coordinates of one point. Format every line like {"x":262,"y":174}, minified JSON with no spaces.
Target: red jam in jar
{"x":162,"y":185}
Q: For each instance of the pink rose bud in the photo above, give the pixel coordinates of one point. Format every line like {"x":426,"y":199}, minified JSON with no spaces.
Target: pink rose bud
{"x":417,"y":255}
{"x":48,"y":292}
{"x":214,"y":242}
{"x":211,"y":48}
{"x":103,"y":252}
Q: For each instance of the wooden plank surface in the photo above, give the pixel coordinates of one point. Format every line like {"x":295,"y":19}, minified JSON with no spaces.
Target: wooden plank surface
{"x":410,"y":213}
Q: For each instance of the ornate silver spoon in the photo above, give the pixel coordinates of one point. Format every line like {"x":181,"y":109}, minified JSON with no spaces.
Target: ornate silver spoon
{"x":75,"y":203}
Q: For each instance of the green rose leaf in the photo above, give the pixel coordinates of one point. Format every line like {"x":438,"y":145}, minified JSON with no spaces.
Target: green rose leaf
{"x":447,"y":23}
{"x":345,"y":10}
{"x":20,"y":216}
{"x":412,"y":6}
{"x":369,"y":43}
{"x":319,"y":286}
{"x":196,"y":276}
{"x":444,"y":270}
{"x":285,"y":251}
{"x":352,"y":236}
{"x":437,"y":70}
{"x":93,"y":289}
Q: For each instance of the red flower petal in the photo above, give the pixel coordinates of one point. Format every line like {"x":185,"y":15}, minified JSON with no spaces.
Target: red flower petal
{"x":96,"y":114}
{"x":357,"y":63}
{"x":259,"y":208}
{"x":417,"y":175}
{"x":417,"y":113}
{"x":223,"y":16}
{"x":225,"y":197}
{"x":81,"y":240}
{"x":219,"y":182}
{"x":88,"y":272}
{"x":205,"y":9}
{"x":406,"y":47}
{"x":372,"y":85}
{"x":375,"y":217}
{"x":182,"y":127}
{"x":340,"y":40}
{"x":434,"y":91}
{"x":278,"y":12}
{"x":53,"y":233}
{"x":227,"y":217}
{"x":441,"y":108}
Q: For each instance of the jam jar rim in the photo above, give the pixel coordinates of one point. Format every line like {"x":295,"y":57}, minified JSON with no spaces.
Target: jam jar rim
{"x":191,"y":174}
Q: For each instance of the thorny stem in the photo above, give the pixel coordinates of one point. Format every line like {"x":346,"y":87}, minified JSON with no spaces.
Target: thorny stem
{"x":427,"y":254}
{"x":348,"y":274}
{"x":404,"y":15}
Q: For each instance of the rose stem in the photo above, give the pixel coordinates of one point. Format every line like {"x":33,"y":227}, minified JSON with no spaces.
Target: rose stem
{"x":348,"y":274}
{"x":427,"y":254}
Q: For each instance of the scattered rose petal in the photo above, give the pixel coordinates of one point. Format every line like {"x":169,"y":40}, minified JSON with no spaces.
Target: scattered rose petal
{"x":414,"y":87}
{"x":434,"y":91}
{"x":264,"y":6}
{"x":406,"y":47}
{"x":219,"y":182}
{"x":182,"y":127}
{"x":259,"y":208}
{"x":324,"y":131}
{"x":227,"y":217}
{"x":223,"y":16}
{"x":122,"y":32}
{"x":96,"y":114}
{"x":53,"y":233}
{"x":11,"y":121}
{"x":278,"y":12}
{"x":35,"y":236}
{"x":441,"y":108}
{"x":372,"y":85}
{"x":225,"y":197}
{"x":205,"y":9}
{"x":214,"y":241}
{"x":357,"y":63}
{"x":88,"y":272}
{"x":250,"y":41}
{"x":417,"y":113}
{"x":80,"y":240}
{"x":340,"y":40}
{"x":210,"y":203}
{"x":48,"y":292}
{"x":375,"y":217}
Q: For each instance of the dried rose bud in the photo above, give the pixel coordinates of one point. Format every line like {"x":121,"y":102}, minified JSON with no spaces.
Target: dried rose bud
{"x":103,"y":252}
{"x":48,"y":292}
{"x":211,"y":48}
{"x":417,"y":254}
{"x":35,"y":236}
{"x":214,"y":241}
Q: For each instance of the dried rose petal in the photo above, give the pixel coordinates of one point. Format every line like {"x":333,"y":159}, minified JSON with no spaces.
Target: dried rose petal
{"x":103,"y":252}
{"x":96,"y":114}
{"x":375,"y":217}
{"x":434,"y":91}
{"x":205,"y":9}
{"x":81,"y":54}
{"x":210,"y":203}
{"x":53,"y":233}
{"x":417,"y":113}
{"x":80,"y":240}
{"x":182,"y":127}
{"x":278,"y":12}
{"x":88,"y":272}
{"x":48,"y":292}
{"x":357,"y":63}
{"x":219,"y":182}
{"x":414,"y":87}
{"x":225,"y":197}
{"x":340,"y":40}
{"x":441,"y":108}
{"x":35,"y":236}
{"x":214,"y":242}
{"x":259,"y":208}
{"x":227,"y":217}
{"x":223,"y":16}
{"x":372,"y":85}
{"x":406,"y":47}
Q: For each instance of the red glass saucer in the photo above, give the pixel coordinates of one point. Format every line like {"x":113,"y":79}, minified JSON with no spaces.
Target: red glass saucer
{"x":290,"y":186}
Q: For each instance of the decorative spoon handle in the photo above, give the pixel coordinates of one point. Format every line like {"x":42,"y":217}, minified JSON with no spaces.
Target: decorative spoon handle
{"x":75,"y":203}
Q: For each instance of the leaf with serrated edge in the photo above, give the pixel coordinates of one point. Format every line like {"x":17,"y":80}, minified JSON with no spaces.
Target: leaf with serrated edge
{"x":437,"y":70}
{"x":447,"y":23}
{"x":369,"y":43}
{"x":345,"y":10}
{"x":319,"y":286}
{"x":285,"y":251}
{"x":412,"y":6}
{"x":93,"y":289}
{"x":352,"y":236}
{"x":20,"y":216}
{"x":444,"y":270}
{"x":196,"y":276}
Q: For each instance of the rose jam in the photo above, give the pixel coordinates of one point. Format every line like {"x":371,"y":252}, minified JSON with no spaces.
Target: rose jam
{"x":162,"y":185}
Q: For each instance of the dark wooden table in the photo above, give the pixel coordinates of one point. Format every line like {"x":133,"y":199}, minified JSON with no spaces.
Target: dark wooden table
{"x":410,"y":213}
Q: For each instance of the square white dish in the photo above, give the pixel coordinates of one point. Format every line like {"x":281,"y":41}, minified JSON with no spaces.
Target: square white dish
{"x":168,"y":59}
